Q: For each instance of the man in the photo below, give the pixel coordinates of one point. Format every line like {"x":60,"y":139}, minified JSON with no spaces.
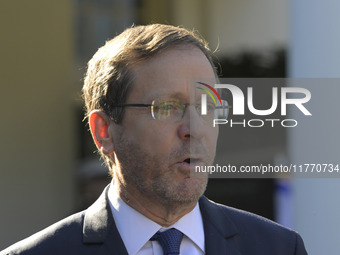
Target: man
{"x":147,"y":127}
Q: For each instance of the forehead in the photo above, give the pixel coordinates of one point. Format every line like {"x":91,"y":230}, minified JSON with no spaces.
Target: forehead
{"x":170,"y":73}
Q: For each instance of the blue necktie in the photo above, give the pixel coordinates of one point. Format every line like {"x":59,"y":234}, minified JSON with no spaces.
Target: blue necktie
{"x":170,"y":240}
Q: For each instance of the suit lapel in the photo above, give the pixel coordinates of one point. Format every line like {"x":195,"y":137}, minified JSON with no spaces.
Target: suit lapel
{"x":220,"y":232}
{"x":99,"y":227}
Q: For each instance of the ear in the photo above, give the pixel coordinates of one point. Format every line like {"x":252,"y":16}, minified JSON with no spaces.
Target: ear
{"x":99,"y":127}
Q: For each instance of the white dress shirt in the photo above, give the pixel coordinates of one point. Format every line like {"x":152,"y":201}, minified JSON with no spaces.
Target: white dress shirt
{"x":136,"y":230}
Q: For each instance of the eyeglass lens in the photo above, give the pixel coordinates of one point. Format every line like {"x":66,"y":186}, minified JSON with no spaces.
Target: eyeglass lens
{"x":174,"y":109}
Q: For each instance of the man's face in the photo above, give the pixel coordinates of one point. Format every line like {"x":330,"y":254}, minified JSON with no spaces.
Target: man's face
{"x":153,"y":155}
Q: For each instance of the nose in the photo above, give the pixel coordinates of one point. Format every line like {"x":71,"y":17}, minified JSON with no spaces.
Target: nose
{"x":191,"y":125}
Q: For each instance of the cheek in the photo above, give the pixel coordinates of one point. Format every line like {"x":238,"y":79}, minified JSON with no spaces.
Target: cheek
{"x":153,"y":138}
{"x":161,"y":141}
{"x":213,"y":136}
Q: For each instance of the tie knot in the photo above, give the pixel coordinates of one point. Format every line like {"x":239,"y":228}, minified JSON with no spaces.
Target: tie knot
{"x":170,"y":240}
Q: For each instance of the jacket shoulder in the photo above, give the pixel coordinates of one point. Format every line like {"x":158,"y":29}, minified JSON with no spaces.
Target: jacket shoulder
{"x":254,"y":232}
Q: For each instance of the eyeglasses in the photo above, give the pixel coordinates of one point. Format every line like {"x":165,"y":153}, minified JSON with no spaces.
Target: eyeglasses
{"x":172,"y":109}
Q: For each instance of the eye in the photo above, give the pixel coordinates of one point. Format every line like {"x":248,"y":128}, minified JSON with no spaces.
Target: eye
{"x":211,"y":107}
{"x":168,"y":105}
{"x":166,"y":108}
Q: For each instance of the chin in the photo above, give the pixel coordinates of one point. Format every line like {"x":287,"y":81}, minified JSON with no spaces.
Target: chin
{"x":189,"y":190}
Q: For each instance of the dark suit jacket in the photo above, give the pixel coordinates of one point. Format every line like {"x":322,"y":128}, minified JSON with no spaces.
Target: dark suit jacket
{"x":227,"y":231}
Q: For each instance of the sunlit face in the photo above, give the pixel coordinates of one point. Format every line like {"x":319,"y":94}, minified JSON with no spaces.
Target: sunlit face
{"x":153,"y":154}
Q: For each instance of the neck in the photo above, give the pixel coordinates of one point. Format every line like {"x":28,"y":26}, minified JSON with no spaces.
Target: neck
{"x":164,"y":213}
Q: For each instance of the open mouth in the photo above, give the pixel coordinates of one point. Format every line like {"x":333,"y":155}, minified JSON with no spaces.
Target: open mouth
{"x":191,"y":160}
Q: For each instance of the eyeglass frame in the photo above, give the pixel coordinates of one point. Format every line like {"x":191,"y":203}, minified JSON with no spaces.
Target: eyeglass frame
{"x":185,"y":104}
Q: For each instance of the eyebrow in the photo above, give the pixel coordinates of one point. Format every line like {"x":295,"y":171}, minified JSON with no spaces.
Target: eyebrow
{"x":163,"y":94}
{"x":177,"y":95}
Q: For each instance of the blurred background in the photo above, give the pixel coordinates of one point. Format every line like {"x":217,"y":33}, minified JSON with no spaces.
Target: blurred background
{"x":47,"y":161}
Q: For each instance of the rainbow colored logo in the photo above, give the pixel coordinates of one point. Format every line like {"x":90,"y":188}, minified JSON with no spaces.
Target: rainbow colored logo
{"x":209,"y":93}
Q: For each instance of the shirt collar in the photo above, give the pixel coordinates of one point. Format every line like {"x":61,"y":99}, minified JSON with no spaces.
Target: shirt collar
{"x":135,"y":229}
{"x":191,"y":225}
